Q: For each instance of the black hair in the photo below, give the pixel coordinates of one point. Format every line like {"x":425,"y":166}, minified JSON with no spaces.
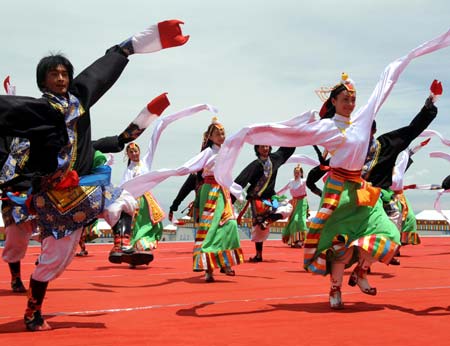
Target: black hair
{"x":256,"y":150}
{"x":446,"y":183}
{"x":331,"y":110}
{"x":126,"y":150}
{"x":300,"y":168}
{"x":207,"y":142}
{"x":48,"y":63}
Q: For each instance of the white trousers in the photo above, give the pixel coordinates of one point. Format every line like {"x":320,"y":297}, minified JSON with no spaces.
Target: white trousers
{"x":260,"y":235}
{"x":57,"y":254}
{"x":16,"y":243}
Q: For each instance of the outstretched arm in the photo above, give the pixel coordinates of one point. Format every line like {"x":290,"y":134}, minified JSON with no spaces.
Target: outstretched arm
{"x":115,"y":144}
{"x":97,"y":79}
{"x":189,"y":185}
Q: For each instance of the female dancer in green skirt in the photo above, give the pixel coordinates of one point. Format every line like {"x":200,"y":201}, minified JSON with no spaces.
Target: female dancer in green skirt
{"x":147,"y":227}
{"x":217,"y":243}
{"x":350,"y":225}
{"x":294,"y":233}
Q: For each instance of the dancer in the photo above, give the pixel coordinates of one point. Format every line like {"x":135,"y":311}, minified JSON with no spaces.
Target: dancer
{"x":261,"y":175}
{"x":405,"y":220}
{"x":351,"y":224}
{"x":294,"y":233}
{"x":61,"y":151}
{"x":383,"y":152}
{"x":14,"y":153}
{"x":217,"y":243}
{"x":147,"y":227}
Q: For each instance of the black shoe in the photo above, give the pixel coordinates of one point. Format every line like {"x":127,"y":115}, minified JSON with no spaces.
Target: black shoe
{"x":138,"y":258}
{"x":35,"y":322}
{"x":275,"y":217}
{"x":227,"y":271}
{"x":255,"y":259}
{"x":17,"y":286}
{"x":115,"y":257}
{"x":394,"y":262}
{"x":134,"y":258}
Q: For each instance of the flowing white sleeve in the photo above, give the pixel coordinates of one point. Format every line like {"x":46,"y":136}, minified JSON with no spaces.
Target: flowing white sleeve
{"x":389,"y":77}
{"x":398,"y":173}
{"x":146,"y":182}
{"x":428,"y":133}
{"x":304,"y":160}
{"x":166,"y":121}
{"x":295,"y":132}
{"x":284,"y":188}
{"x":440,"y":155}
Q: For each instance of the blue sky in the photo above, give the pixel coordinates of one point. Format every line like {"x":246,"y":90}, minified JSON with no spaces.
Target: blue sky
{"x":255,"y":61}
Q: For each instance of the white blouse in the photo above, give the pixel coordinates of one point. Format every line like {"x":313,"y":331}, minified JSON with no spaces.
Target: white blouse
{"x":134,"y":170}
{"x":297,"y":188}
{"x":346,"y":140}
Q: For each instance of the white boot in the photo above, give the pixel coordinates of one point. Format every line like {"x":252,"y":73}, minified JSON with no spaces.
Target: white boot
{"x":337,"y":273}
{"x":336,"y":298}
{"x":359,"y":274}
{"x":359,"y":277}
{"x":209,"y":276}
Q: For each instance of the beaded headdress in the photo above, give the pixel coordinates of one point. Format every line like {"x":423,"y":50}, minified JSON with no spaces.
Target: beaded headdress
{"x":215,"y":124}
{"x":325,"y":93}
{"x":131,"y":145}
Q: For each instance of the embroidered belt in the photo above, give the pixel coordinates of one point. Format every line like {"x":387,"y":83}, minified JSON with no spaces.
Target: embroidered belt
{"x":209,"y":180}
{"x":367,"y":195}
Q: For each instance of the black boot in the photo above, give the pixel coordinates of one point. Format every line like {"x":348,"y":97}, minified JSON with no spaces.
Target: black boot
{"x":274,"y":217}
{"x":122,"y":252}
{"x":33,"y":317}
{"x":258,"y":256}
{"x":16,"y":280}
{"x":121,"y":242}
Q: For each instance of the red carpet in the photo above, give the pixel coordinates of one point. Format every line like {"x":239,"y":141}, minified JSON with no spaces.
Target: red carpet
{"x":270,"y":303}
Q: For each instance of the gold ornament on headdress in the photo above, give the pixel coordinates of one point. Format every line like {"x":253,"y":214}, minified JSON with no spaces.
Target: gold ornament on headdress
{"x":131,"y":145}
{"x":214,"y":124}
{"x":324,"y":92}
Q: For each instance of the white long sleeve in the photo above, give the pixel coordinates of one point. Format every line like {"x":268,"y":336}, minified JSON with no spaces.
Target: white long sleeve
{"x":347,"y":142}
{"x":146,"y":182}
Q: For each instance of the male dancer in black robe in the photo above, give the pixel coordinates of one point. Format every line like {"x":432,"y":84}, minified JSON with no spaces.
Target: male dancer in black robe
{"x":61,"y":151}
{"x":261,"y":175}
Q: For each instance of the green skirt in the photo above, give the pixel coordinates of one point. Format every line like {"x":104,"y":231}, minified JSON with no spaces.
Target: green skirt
{"x":340,"y":224}
{"x":296,"y":228}
{"x":217,"y":243}
{"x":145,"y":233}
{"x":409,"y":235}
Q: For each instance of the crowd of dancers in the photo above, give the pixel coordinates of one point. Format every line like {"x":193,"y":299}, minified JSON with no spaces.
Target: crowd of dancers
{"x":56,"y":181}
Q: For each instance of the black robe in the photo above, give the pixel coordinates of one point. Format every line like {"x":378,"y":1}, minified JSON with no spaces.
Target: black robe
{"x":391,"y":144}
{"x":36,"y":120}
{"x":254,"y":171}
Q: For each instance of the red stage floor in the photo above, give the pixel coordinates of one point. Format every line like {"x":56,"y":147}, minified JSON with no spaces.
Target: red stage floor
{"x":270,"y":303}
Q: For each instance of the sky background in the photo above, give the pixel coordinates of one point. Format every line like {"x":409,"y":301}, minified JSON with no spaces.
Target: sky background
{"x":255,"y":61}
